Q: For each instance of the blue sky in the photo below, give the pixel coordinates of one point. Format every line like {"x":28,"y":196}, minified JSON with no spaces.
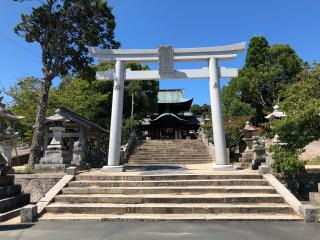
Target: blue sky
{"x":181,"y":23}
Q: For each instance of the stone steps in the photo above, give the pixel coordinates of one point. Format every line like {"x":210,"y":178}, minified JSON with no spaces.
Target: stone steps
{"x":171,"y":161}
{"x":222,"y":196}
{"x":166,"y":177}
{"x":9,"y":191}
{"x":169,"y":190}
{"x":170,"y":198}
{"x":171,"y":217}
{"x":9,"y":214}
{"x":6,"y":180}
{"x":146,"y":159}
{"x":170,"y":152}
{"x":193,"y":182}
{"x":172,"y":158}
{"x":14,"y":202}
{"x":11,"y":198}
{"x":193,"y":148}
{"x":167,"y":208}
{"x":178,"y":155}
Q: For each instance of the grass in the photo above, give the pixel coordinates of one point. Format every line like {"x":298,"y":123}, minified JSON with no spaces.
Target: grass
{"x":23,"y":170}
{"x":314,"y":161}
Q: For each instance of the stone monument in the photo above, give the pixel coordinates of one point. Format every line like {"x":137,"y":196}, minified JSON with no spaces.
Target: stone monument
{"x":72,"y":139}
{"x":259,"y":153}
{"x":248,"y":154}
{"x":56,"y":157}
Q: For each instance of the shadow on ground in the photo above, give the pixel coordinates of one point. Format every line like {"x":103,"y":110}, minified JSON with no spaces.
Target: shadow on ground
{"x":12,"y":227}
{"x":156,"y":168}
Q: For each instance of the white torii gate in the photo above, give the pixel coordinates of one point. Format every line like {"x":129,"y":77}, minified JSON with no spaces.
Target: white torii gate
{"x":166,"y":56}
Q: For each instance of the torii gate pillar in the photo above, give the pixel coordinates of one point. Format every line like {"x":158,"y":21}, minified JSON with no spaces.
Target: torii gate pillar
{"x":220,"y":149}
{"x":116,"y":119}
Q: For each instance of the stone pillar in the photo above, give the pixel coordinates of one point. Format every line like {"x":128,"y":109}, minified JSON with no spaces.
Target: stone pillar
{"x":79,"y":149}
{"x":217,"y":117}
{"x":116,"y":119}
{"x":7,"y":151}
{"x":45,"y":145}
{"x":176,"y":134}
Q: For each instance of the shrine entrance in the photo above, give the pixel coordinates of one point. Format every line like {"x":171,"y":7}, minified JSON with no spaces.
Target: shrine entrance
{"x":168,"y":133}
{"x":166,"y":56}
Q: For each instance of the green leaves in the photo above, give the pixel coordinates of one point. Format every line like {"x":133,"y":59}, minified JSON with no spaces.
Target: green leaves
{"x":302,"y":106}
{"x":286,"y":161}
{"x":64,"y":30}
{"x":257,"y":53}
{"x":262,"y":81}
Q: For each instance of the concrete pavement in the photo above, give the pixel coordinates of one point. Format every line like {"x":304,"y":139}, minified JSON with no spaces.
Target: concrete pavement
{"x":161,"y":230}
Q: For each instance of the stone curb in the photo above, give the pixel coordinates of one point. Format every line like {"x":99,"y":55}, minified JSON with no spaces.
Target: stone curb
{"x":309,"y":213}
{"x":30,"y":213}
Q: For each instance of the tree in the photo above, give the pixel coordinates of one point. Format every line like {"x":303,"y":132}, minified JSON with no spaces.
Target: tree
{"x":201,"y":110}
{"x":302,"y":106}
{"x":64,"y":29}
{"x":257,"y":53}
{"x":263,"y":79}
{"x":145,"y":94}
{"x":91,"y":99}
{"x":24,"y":94}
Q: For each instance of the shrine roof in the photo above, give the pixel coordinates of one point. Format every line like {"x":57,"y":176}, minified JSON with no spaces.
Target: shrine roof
{"x":7,"y":114}
{"x":63,"y":114}
{"x":172,"y":96}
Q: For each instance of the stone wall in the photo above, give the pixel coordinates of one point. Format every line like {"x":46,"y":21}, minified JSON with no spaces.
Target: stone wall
{"x":301,"y":184}
{"x":37,"y":184}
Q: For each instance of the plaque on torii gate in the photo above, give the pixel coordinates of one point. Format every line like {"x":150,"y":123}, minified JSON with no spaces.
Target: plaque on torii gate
{"x":166,"y":56}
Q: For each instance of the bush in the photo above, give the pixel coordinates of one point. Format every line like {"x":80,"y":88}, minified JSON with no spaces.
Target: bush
{"x":286,"y":161}
{"x":28,"y":170}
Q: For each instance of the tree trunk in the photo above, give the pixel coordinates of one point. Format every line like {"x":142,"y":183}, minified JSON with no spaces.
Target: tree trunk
{"x":37,"y":139}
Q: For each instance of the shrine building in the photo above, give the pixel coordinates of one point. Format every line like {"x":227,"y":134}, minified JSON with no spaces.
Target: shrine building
{"x":172,"y":119}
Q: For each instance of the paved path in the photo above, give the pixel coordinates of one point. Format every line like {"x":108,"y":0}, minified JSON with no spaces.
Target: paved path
{"x":162,"y":230}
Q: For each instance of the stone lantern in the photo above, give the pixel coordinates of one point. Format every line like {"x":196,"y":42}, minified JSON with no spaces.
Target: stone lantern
{"x":7,"y":135}
{"x":247,"y":133}
{"x":276,"y":114}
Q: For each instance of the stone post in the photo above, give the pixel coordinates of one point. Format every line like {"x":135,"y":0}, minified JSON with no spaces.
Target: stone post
{"x":217,"y":117}
{"x":7,"y":151}
{"x":259,"y":153}
{"x":45,"y":145}
{"x":80,"y":149}
{"x":116,"y":119}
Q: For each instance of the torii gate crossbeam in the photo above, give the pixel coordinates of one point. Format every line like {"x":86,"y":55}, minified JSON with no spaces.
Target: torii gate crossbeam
{"x":166,"y":56}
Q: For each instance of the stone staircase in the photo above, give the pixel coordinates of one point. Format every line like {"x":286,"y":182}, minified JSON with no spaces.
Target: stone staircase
{"x":170,"y":152}
{"x":11,"y":198}
{"x":169,"y":197}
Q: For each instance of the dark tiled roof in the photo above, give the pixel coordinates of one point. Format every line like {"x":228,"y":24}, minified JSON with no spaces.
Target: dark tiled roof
{"x":68,"y":114}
